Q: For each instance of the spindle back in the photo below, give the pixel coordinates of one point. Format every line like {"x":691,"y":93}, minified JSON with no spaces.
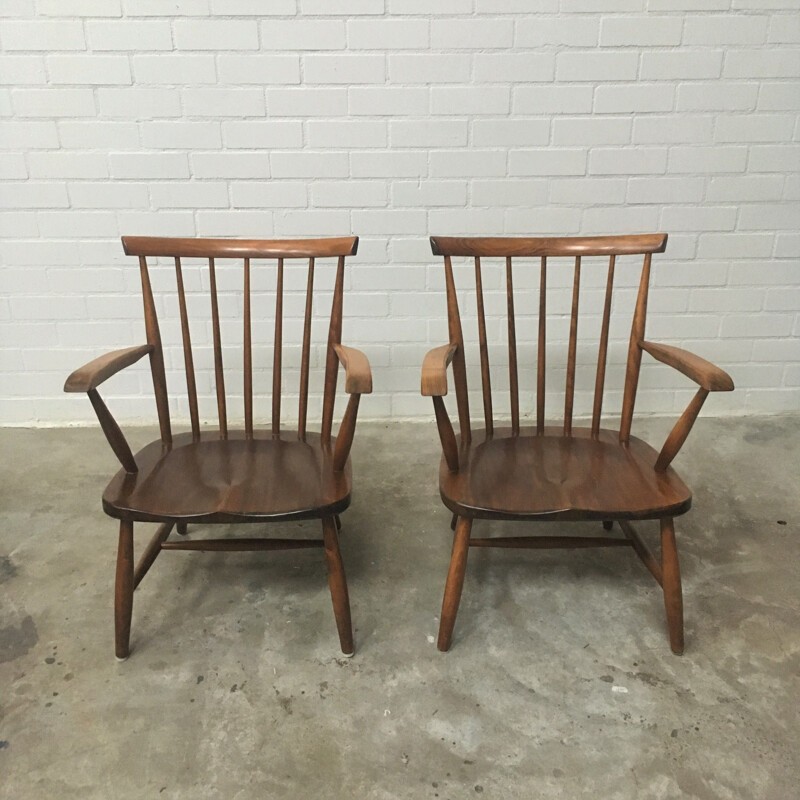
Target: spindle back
{"x":574,"y":248}
{"x":277,"y":250}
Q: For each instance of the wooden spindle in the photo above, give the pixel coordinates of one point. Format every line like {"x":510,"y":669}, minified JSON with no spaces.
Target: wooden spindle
{"x":459,"y":363}
{"x":277,"y":353}
{"x":157,"y":354}
{"x":573,"y":350}
{"x":248,"y":356}
{"x":191,"y":385}
{"x":541,"y":360}
{"x":332,"y":360}
{"x":635,"y":353}
{"x":304,"y":364}
{"x":218,"y":373}
{"x":486,"y":381}
{"x":603,"y":352}
{"x":513,"y":377}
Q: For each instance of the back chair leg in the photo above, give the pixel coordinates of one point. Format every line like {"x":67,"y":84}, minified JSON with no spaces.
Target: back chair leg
{"x":338,"y":584}
{"x":123,"y":595}
{"x":455,"y":582}
{"x":673,"y":596}
{"x":608,"y":524}
{"x":182,"y":528}
{"x":453,"y":522}
{"x":338,"y":520}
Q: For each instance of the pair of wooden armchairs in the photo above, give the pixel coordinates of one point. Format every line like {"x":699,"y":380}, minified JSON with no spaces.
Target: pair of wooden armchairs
{"x":275,"y":474}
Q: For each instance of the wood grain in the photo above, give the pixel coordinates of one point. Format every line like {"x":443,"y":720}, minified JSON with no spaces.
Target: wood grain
{"x":357,"y":372}
{"x":434,"y":370}
{"x":702,"y":372}
{"x":100,"y":369}
{"x":547,"y":246}
{"x":239,"y":248}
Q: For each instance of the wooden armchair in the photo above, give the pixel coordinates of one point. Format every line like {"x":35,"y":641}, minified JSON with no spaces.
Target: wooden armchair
{"x":543,"y":472}
{"x":225,"y":475}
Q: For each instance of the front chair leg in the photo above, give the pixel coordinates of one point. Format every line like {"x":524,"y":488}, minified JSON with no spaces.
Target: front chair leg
{"x":123,"y":593}
{"x":338,"y":584}
{"x":455,"y":582}
{"x":673,"y":596}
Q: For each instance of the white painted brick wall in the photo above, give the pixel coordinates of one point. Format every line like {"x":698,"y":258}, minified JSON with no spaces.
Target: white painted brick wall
{"x":395,"y":119}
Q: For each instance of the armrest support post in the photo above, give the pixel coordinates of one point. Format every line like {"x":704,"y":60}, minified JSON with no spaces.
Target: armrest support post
{"x":681,"y":430}
{"x":114,"y":435}
{"x":448,"y":438}
{"x":345,"y":438}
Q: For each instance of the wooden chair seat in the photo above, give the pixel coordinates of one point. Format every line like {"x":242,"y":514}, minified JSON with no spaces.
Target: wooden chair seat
{"x":237,"y":479}
{"x":558,"y":477}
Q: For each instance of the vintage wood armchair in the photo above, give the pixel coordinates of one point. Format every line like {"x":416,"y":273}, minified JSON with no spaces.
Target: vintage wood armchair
{"x":559,"y":472}
{"x":226,"y":475}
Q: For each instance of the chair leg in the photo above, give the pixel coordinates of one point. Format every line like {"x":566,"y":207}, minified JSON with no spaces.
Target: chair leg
{"x":338,"y":520}
{"x":455,"y":582}
{"x":453,"y":522}
{"x":123,"y":594}
{"x":338,"y":584}
{"x":182,"y":528}
{"x":608,"y":524}
{"x":673,"y":596}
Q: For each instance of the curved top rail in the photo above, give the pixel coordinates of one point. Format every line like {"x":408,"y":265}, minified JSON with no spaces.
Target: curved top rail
{"x":551,"y":246}
{"x":239,"y":248}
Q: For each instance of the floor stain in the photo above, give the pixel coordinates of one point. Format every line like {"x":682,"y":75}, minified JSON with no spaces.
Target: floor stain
{"x":7,"y":569}
{"x":17,"y":640}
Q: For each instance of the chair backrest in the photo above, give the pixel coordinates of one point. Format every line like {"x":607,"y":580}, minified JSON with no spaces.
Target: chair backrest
{"x":213,"y":250}
{"x":575,"y":248}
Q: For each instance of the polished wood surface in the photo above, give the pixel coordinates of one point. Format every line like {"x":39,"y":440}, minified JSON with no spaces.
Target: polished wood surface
{"x":635,"y":352}
{"x":156,"y":354}
{"x":513,"y":372}
{"x":239,"y":248}
{"x":455,"y":582}
{"x":681,"y":430}
{"x":569,"y":394}
{"x":306,"y":351}
{"x":560,"y":477}
{"x":705,"y":374}
{"x":434,"y":370}
{"x":123,"y":591}
{"x":116,"y":439}
{"x":673,"y":595}
{"x":506,"y":246}
{"x":559,"y":472}
{"x":238,"y":479}
{"x":602,"y":354}
{"x":91,"y":375}
{"x":188,"y":358}
{"x":357,"y":374}
{"x":338,"y":585}
{"x":230,"y":475}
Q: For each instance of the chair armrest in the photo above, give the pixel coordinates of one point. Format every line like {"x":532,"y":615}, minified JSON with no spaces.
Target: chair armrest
{"x":358,"y":375}
{"x":434,"y":370}
{"x":705,"y":374}
{"x":91,"y":375}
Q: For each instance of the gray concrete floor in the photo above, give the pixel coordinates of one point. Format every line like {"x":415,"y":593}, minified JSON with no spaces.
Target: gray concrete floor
{"x":560,"y":682}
